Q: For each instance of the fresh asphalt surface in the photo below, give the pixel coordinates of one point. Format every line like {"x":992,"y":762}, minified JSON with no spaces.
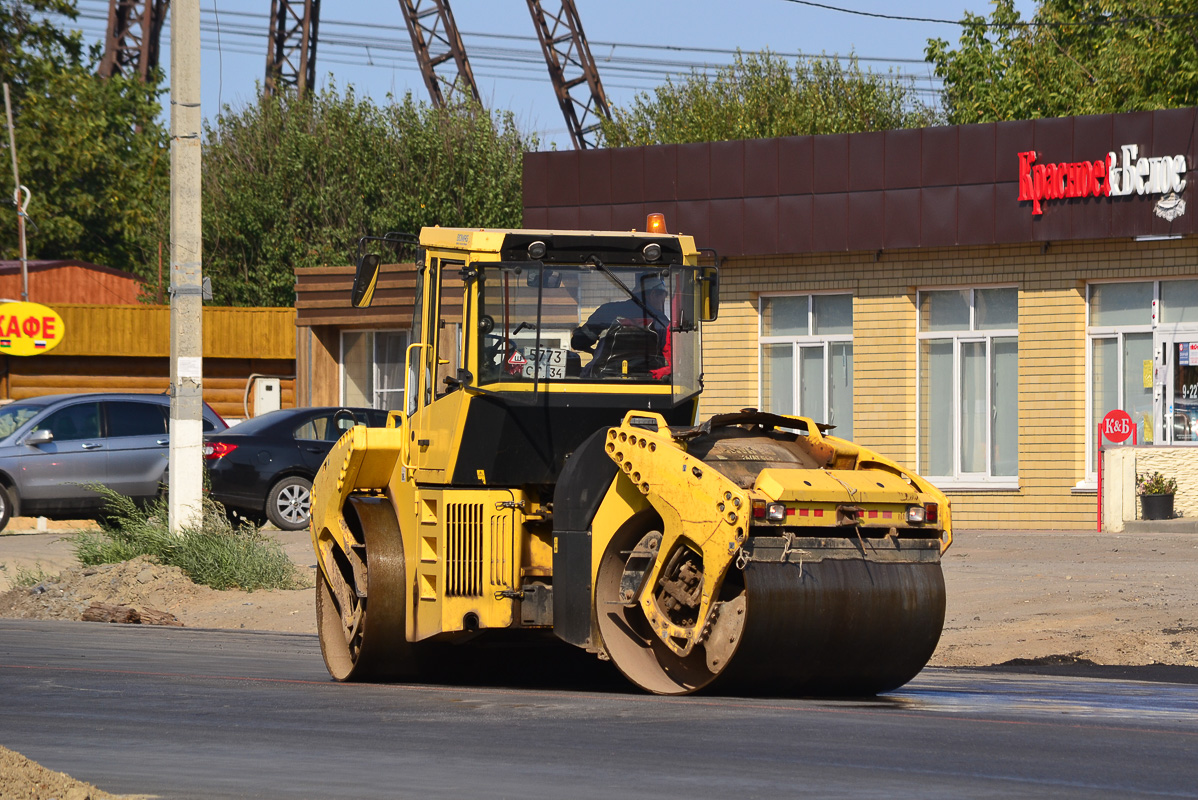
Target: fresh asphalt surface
{"x":233,"y":714}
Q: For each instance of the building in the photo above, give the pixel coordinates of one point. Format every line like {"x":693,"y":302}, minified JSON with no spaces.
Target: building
{"x":970,"y":300}
{"x":67,"y":281}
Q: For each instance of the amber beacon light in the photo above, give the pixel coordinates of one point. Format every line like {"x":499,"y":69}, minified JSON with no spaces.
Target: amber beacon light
{"x":656,"y":223}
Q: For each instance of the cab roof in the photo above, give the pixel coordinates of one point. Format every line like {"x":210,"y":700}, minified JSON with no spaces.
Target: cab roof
{"x":496,"y":240}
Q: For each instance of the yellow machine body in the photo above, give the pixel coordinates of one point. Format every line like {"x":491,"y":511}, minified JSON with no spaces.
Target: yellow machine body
{"x":531,"y":486}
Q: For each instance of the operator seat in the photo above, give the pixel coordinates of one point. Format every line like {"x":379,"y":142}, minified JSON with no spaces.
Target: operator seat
{"x":635,"y":344}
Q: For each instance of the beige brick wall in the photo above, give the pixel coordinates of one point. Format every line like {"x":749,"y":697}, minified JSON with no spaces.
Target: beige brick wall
{"x":1052,"y":352}
{"x":1176,"y":462}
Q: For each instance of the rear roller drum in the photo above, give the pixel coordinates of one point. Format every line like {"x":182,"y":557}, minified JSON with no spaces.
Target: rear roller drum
{"x":361,"y":610}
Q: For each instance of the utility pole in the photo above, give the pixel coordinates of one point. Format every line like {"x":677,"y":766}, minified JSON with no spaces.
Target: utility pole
{"x":16,"y":196}
{"x":186,"y":465}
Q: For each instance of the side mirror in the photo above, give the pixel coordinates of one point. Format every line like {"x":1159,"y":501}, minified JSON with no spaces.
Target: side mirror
{"x":39,"y":437}
{"x":709,"y":293}
{"x":364,"y":281}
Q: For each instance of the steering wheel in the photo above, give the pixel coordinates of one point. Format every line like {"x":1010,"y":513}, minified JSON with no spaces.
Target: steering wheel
{"x":494,"y":350}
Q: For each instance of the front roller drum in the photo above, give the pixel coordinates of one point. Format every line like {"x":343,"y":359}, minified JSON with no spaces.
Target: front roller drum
{"x":836,"y":627}
{"x":362,"y":623}
{"x":856,"y":622}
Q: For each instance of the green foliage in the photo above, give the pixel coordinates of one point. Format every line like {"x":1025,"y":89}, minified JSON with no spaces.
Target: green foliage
{"x":214,"y":554}
{"x":1155,"y":483}
{"x":294,"y":182}
{"x":1141,"y":54}
{"x":28,"y":37}
{"x":91,"y":151}
{"x":762,"y":96}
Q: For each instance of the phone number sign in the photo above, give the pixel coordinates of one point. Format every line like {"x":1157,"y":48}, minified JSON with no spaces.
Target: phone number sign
{"x":29,"y":329}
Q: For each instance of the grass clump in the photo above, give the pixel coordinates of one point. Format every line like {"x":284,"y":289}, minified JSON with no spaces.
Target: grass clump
{"x":24,"y":578}
{"x":215,"y":553}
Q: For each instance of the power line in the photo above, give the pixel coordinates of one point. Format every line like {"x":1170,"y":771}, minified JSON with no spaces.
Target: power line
{"x":352,"y":39}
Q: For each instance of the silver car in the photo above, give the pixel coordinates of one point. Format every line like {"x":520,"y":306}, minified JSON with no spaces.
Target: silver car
{"x":51,"y":447}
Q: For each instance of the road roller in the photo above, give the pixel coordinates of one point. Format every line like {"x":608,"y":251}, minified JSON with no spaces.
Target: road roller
{"x":548,"y":479}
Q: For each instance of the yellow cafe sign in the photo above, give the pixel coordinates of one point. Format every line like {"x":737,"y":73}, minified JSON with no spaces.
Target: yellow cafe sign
{"x":27,"y":329}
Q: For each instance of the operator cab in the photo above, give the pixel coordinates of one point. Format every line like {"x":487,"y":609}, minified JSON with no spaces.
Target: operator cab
{"x":523,"y":312}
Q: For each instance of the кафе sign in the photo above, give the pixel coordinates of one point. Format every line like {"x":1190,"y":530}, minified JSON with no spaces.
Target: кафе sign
{"x":28,"y":329}
{"x":1119,"y":174}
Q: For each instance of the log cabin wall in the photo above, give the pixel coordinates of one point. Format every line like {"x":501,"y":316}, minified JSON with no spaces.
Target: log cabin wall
{"x":127,"y":349}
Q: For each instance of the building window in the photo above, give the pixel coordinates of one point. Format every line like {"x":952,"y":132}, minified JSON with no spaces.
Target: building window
{"x":1119,"y":333}
{"x":372,"y":364}
{"x":969,"y":385}
{"x":807,"y":357}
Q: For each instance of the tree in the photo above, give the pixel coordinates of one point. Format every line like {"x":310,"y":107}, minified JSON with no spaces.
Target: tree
{"x":761,"y":96}
{"x":293,"y":181}
{"x":91,"y":151}
{"x":1074,"y":57}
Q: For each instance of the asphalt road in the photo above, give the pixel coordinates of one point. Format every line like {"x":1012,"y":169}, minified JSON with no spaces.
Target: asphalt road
{"x":231,"y":714}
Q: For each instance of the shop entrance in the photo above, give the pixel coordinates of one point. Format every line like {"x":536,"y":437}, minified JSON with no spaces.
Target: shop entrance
{"x":1175,"y":387}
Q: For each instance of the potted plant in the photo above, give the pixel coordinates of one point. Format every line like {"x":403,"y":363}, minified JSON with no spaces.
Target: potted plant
{"x":1156,"y":495}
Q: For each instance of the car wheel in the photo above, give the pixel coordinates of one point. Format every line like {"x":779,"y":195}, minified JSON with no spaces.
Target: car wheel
{"x":5,"y":507}
{"x":289,"y":502}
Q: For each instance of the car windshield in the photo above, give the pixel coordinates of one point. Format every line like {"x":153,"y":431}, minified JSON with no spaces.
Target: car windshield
{"x":588,"y":324}
{"x":15,"y":415}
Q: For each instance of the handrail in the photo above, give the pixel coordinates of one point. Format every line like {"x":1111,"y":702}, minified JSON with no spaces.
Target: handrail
{"x":405,"y":448}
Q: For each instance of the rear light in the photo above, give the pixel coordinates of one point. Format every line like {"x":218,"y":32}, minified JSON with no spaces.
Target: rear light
{"x":215,"y":450}
{"x":776,"y":512}
{"x":929,"y":512}
{"x":758,"y":509}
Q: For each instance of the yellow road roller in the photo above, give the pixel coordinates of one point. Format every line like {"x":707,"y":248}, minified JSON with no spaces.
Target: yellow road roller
{"x":547,"y":479}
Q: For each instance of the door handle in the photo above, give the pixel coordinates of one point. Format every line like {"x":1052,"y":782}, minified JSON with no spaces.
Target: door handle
{"x":91,"y":446}
{"x":163,"y":441}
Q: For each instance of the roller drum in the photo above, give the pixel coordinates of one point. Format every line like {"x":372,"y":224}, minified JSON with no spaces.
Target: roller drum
{"x":835,"y":627}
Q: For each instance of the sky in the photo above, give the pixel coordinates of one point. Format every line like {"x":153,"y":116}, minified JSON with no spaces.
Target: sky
{"x":635,"y":44}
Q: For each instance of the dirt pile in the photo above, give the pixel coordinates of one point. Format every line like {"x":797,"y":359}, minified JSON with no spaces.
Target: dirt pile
{"x":140,"y":584}
{"x":22,"y":779}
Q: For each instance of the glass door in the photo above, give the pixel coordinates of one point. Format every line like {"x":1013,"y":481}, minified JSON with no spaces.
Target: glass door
{"x":1181,"y":389}
{"x":1173,"y":376}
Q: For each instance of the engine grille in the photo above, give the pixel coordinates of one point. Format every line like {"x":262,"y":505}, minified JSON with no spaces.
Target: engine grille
{"x":464,"y":550}
{"x":502,"y":566}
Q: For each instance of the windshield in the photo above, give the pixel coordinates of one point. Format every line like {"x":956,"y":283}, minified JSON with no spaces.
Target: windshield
{"x":15,"y":415}
{"x":588,"y":324}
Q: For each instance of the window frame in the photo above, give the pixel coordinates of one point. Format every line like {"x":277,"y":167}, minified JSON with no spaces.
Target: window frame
{"x":799,"y":341}
{"x":960,"y":480}
{"x":375,"y":393}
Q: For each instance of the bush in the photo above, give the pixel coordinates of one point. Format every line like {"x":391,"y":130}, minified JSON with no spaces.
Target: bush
{"x":214,"y":554}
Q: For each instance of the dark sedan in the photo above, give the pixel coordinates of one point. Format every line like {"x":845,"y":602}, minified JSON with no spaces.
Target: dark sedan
{"x":263,"y":468}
